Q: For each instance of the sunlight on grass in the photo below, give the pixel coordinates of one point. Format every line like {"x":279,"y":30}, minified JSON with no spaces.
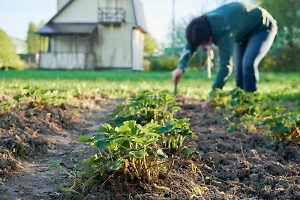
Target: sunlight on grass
{"x":125,"y":83}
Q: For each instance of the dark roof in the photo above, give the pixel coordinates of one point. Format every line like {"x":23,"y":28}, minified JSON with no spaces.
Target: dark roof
{"x":67,"y":28}
{"x":139,"y":15}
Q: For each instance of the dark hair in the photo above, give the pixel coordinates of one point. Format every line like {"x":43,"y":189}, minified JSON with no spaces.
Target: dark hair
{"x":198,"y":31}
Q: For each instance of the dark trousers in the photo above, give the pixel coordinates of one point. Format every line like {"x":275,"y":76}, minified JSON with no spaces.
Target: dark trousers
{"x":247,"y":56}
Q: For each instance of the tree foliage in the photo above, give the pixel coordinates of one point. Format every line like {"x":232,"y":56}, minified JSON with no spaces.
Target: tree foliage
{"x":286,"y":48}
{"x":150,"y":45}
{"x":8,"y":56}
{"x":34,"y":41}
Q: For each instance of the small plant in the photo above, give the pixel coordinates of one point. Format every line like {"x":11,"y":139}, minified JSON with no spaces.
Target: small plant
{"x":232,"y":124}
{"x":73,"y":174}
{"x":130,"y":149}
{"x":136,"y":152}
{"x":238,"y":101}
{"x":220,"y":98}
{"x":174,"y":133}
{"x":147,"y":107}
{"x":245,"y":102}
{"x":283,"y":126}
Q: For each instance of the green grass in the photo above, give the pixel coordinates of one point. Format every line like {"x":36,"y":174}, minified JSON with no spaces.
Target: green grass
{"x":119,"y":76}
{"x":124,"y":83}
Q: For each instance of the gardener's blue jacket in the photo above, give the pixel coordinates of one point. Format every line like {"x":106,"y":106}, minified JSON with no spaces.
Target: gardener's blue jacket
{"x":231,"y":23}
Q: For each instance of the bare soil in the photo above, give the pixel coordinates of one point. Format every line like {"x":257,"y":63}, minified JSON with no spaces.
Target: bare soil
{"x":228,"y":164}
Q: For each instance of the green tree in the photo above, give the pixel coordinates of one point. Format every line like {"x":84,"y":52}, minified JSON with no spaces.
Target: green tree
{"x":34,"y":41}
{"x":150,"y":45}
{"x":286,"y":48}
{"x":8,"y":56}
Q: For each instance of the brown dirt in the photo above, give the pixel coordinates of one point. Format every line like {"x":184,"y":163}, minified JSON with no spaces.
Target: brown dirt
{"x":230,"y":164}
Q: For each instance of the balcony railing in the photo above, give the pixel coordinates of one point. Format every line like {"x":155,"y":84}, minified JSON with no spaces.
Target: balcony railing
{"x":110,"y":15}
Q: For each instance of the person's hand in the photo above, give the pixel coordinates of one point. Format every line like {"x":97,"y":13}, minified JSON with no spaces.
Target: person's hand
{"x":176,"y":75}
{"x":205,"y":103}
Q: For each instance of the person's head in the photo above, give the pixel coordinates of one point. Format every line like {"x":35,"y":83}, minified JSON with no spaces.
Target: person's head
{"x":198,"y":32}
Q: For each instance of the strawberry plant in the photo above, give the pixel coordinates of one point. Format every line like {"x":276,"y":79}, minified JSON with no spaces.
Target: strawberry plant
{"x":136,"y":151}
{"x":283,"y":126}
{"x":245,"y":102}
{"x":174,"y":133}
{"x":220,"y":98}
{"x":238,"y":101}
{"x":147,"y":106}
{"x":129,"y":149}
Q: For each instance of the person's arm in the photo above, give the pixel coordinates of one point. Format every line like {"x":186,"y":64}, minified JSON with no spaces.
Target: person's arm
{"x":225,"y":70}
{"x":186,"y":56}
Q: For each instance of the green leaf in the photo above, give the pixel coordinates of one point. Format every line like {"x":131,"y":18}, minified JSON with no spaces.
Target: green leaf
{"x":186,"y":132}
{"x":139,"y":140}
{"x":106,"y":128}
{"x":94,"y":160}
{"x":149,"y":141}
{"x":182,"y":121}
{"x":85,"y":138}
{"x":119,"y":121}
{"x":298,"y":123}
{"x":125,"y":128}
{"x":103,"y":142}
{"x":120,"y":140}
{"x":189,"y":150}
{"x":280,"y":128}
{"x":116,"y":165}
{"x":138,"y":154}
{"x":125,"y":144}
{"x":54,"y":164}
{"x":274,"y":111}
{"x":296,"y":117}
{"x":167,"y":128}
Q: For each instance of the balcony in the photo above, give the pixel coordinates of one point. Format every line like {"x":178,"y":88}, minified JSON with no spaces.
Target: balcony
{"x":111,"y":15}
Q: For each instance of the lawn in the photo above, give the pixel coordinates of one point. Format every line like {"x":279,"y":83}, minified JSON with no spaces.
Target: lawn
{"x":124,"y":83}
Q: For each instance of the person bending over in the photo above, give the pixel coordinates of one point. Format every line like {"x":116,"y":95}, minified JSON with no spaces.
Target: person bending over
{"x":239,"y":30}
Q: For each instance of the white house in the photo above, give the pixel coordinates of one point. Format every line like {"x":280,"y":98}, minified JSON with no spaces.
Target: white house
{"x":95,"y":34}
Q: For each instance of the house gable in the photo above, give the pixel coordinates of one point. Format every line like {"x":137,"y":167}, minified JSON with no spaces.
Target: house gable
{"x":77,"y":11}
{"x":61,"y":4}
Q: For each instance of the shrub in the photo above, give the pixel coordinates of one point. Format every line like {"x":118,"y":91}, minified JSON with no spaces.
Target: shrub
{"x":8,"y":56}
{"x":164,"y":63}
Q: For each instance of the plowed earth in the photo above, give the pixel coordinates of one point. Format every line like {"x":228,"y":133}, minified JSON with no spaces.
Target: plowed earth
{"x":228,"y":164}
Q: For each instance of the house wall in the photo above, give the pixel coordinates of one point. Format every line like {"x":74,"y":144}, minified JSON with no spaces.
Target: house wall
{"x":113,"y":49}
{"x":66,"y":61}
{"x":71,"y":44}
{"x":138,"y":49}
{"x":114,"y":46}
